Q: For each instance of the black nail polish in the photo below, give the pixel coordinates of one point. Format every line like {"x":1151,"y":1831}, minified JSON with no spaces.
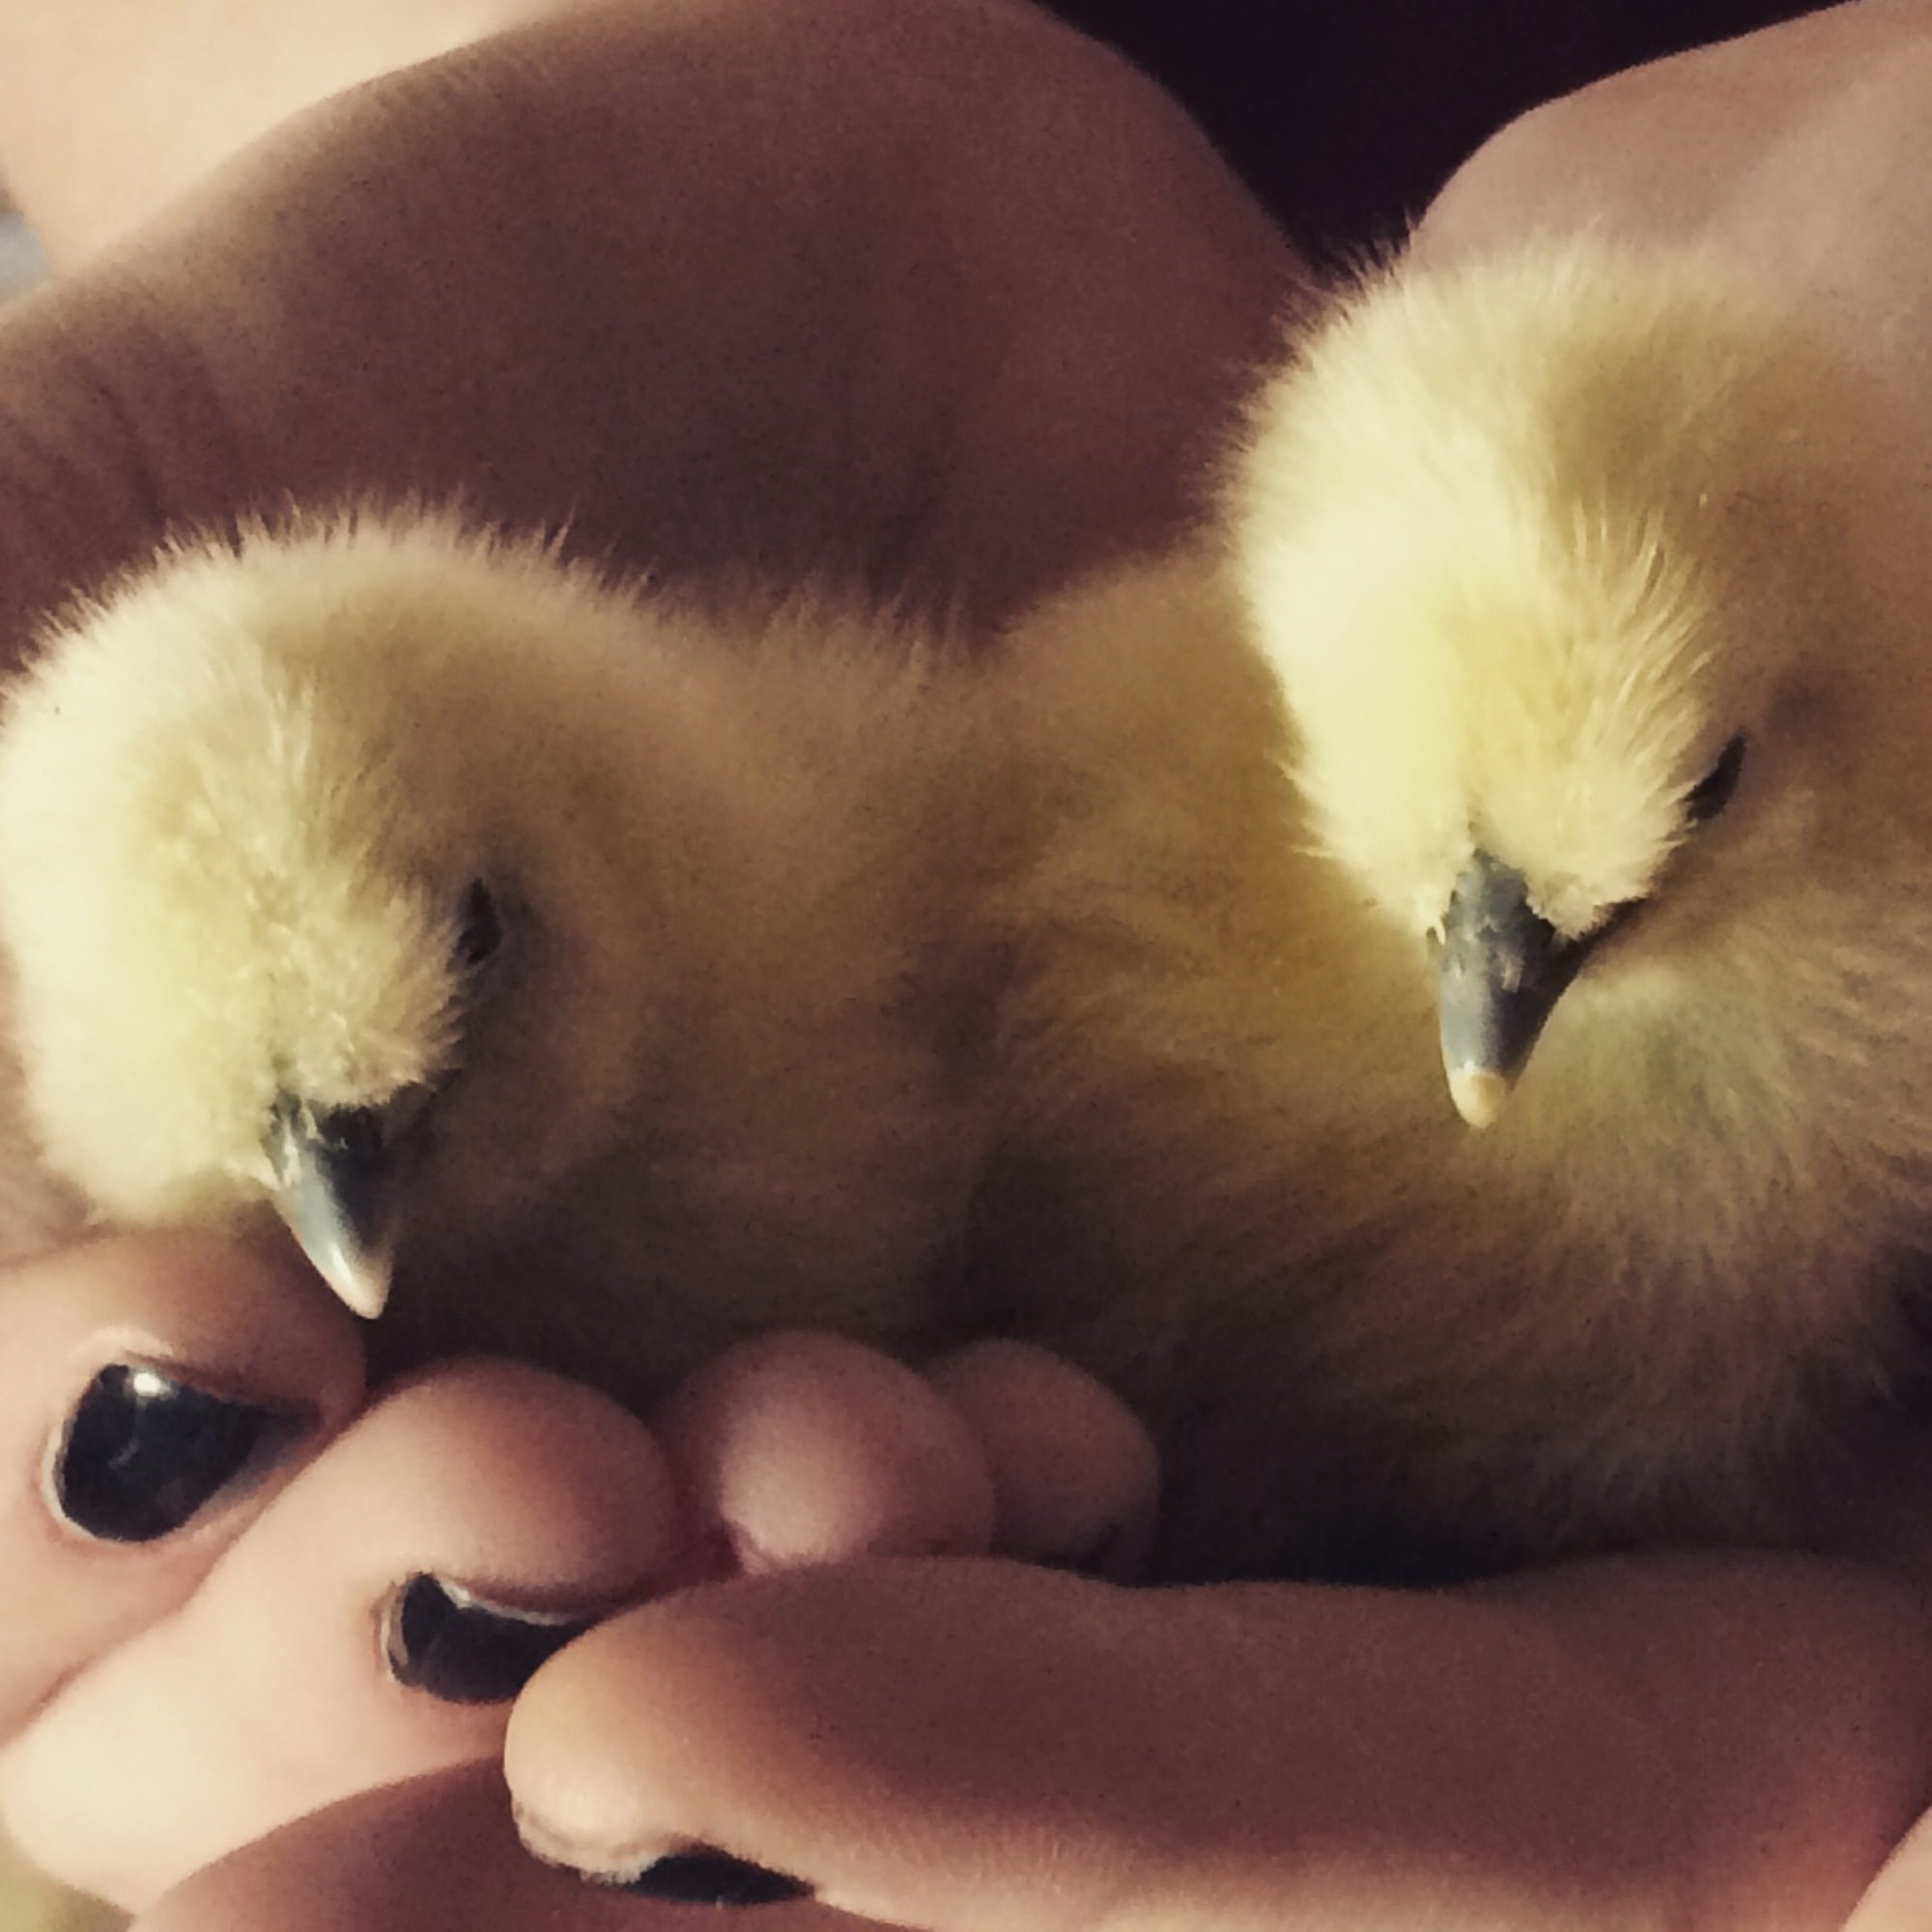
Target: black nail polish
{"x":711,"y":1878}
{"x":144,"y":1453}
{"x":444,"y":1640}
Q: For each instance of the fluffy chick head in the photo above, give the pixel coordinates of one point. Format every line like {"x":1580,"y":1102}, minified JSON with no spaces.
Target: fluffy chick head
{"x":1548,"y":548}
{"x":275,"y":869}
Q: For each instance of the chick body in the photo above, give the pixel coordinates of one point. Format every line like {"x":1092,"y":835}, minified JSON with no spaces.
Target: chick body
{"x":708,"y":1084}
{"x":1517,"y":549}
{"x":1516,"y":555}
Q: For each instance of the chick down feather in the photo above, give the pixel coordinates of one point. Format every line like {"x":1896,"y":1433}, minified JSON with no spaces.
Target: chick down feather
{"x":1581,"y":574}
{"x":606,"y":922}
{"x":1579,"y":581}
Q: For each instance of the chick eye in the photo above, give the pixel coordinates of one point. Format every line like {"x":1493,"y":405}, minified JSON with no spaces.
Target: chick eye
{"x":479,"y":931}
{"x":1710,"y":795}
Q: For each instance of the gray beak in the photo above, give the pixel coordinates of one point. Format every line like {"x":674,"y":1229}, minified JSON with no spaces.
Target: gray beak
{"x":1499,"y":971}
{"x":333,"y":1186}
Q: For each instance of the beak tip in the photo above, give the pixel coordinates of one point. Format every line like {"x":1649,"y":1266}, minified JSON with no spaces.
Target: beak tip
{"x":364,"y":1291}
{"x":357,"y":1277}
{"x":1479,"y":1094}
{"x":332,"y":1186}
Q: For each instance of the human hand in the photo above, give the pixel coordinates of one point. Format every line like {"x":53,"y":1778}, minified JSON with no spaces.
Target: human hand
{"x":1726,"y":1740}
{"x":1720,"y":1742}
{"x":1801,"y":151}
{"x":713,"y":283}
{"x":1656,"y":1745}
{"x":230,"y":1606}
{"x":939,"y":295}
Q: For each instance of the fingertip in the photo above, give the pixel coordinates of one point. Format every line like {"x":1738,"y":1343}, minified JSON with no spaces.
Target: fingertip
{"x":170,"y":1372}
{"x":374,"y":1624}
{"x":154,"y":1392}
{"x":912,"y":1742}
{"x":225,"y":1311}
{"x":498,"y":1473}
{"x":1075,"y":1472}
{"x":804,"y":1448}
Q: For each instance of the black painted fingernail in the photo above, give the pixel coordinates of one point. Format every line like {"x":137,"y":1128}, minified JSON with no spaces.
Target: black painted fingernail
{"x":145,"y":1453}
{"x":444,"y":1640}
{"x":710,"y":1878}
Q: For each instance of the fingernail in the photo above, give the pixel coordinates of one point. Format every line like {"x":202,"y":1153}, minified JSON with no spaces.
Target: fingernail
{"x":442,"y":1639}
{"x":705,"y":1877}
{"x":694,"y":1875}
{"x":145,"y":1453}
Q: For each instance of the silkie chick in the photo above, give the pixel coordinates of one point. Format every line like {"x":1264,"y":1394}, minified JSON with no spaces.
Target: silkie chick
{"x":1557,"y":720}
{"x":608,"y":969}
{"x":561,"y":954}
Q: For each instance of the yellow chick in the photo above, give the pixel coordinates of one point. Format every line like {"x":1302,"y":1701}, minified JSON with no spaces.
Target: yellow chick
{"x":614,"y":973}
{"x":1557,"y":718}
{"x":566,"y":954}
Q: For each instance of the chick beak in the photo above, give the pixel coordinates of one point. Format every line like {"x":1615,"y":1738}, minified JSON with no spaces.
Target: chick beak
{"x":333,"y":1186}
{"x":1500,"y":968}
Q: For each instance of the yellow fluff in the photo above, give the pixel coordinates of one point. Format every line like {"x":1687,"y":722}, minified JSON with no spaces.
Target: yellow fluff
{"x":1579,"y":572}
{"x":1517,"y":549}
{"x":706,"y":1083}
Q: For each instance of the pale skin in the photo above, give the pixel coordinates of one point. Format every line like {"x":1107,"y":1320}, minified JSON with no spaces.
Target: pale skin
{"x":1729,"y":1741}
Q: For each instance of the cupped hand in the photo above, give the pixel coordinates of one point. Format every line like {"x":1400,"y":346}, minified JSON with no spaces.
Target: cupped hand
{"x":932,"y":292}
{"x":1704,"y":1742}
{"x":937,"y":294}
{"x":1725,"y":1740}
{"x":236,"y":1593}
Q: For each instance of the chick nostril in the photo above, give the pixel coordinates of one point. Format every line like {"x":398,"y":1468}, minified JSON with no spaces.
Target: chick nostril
{"x":457,"y":1646}
{"x":145,"y":1453}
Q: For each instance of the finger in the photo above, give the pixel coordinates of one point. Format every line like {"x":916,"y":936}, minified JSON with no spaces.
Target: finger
{"x":952,"y":1744}
{"x":1076,"y":1478}
{"x":984,"y":1747}
{"x":371,"y":1627}
{"x":806,"y":1448}
{"x":436,"y":1855}
{"x":154,"y":1395}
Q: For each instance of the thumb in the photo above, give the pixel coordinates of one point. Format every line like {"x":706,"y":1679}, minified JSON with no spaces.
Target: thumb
{"x":981,"y":1746}
{"x":872,"y":1733}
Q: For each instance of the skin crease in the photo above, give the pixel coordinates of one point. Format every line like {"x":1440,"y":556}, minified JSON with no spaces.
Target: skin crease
{"x":1722,"y":1741}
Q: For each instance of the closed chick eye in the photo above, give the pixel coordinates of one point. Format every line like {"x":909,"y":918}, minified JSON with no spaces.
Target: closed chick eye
{"x":479,"y":932}
{"x":1710,"y":795}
